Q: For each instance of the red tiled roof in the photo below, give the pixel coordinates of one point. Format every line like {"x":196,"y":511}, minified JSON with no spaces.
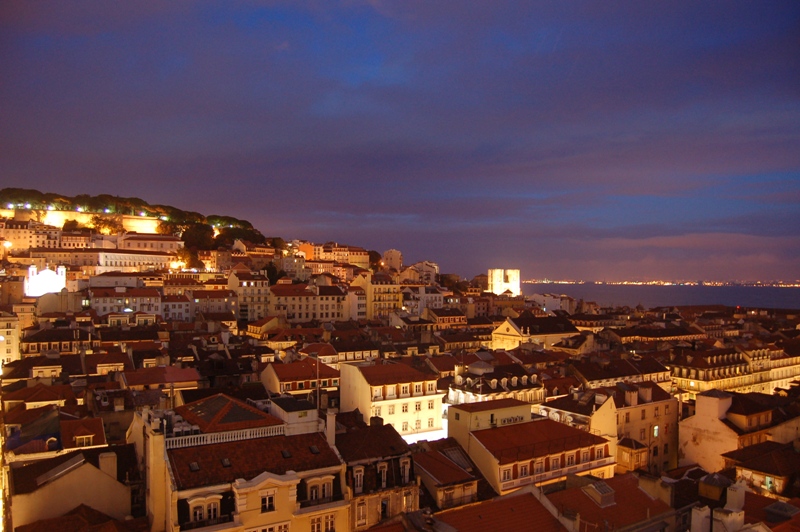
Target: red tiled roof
{"x":221,"y":413}
{"x":518,"y":512}
{"x":71,"y":429}
{"x":523,"y":441}
{"x":484,"y":406}
{"x":41,"y":393}
{"x":381,"y":374}
{"x":249,"y":458}
{"x":631,"y":504}
{"x":304,"y":369}
{"x":160,"y":375}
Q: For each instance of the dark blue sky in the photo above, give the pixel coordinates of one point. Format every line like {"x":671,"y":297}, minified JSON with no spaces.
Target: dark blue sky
{"x":593,"y":140}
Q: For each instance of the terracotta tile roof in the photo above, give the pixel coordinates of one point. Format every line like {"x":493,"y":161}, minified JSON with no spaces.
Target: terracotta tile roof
{"x":71,"y":429}
{"x":41,"y":393}
{"x":381,"y":374}
{"x":249,"y":458}
{"x":441,"y":468}
{"x":485,"y":406}
{"x":221,"y":413}
{"x":631,"y":505}
{"x":517,"y":512}
{"x":84,"y":518}
{"x":319,"y":350}
{"x":371,"y":442}
{"x":304,"y":369}
{"x":160,"y":375}
{"x":523,"y":441}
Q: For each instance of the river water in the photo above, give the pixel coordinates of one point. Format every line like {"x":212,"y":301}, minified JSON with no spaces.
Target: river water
{"x":650,"y":296}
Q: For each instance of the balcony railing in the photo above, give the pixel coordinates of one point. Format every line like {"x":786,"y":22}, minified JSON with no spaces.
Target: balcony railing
{"x":221,"y":437}
{"x":555,"y":473}
{"x":320,"y":501}
{"x":194,"y":525}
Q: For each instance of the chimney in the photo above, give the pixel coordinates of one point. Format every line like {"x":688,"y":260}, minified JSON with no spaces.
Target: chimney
{"x":376,"y":421}
{"x":701,"y":519}
{"x":330,"y":426}
{"x":108,"y":464}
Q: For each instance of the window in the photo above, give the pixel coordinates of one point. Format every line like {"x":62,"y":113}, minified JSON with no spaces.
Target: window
{"x":405,"y":407}
{"x":267,"y":503}
{"x":83,"y":441}
{"x":418,"y":388}
{"x":430,"y":422}
{"x":523,"y":470}
{"x":570,"y":460}
{"x":313,"y":493}
{"x":330,"y":523}
{"x":506,"y":474}
{"x":430,"y":405}
{"x":627,"y":417}
{"x":382,"y":474}
{"x":538,"y":468}
{"x":316,"y":524}
{"x":405,"y":469}
{"x":642,"y":435}
{"x":358,"y":479}
{"x":655,"y":451}
{"x":644,"y":413}
{"x":405,"y":426}
{"x":666,"y":448}
{"x":391,"y":410}
{"x":404,"y":389}
{"x":418,"y":406}
{"x":655,"y":431}
{"x":599,"y":453}
{"x":213,"y":510}
{"x":555,"y":463}
{"x":431,"y":387}
{"x":585,"y":457}
{"x":655,"y":412}
{"x":418,"y":424}
{"x":361,"y":514}
{"x":457,"y":416}
{"x":197,"y":513}
{"x":377,"y":411}
{"x":666,"y":409}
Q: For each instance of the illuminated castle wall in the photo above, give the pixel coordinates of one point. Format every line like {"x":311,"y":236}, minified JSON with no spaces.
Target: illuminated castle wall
{"x":502,"y":280}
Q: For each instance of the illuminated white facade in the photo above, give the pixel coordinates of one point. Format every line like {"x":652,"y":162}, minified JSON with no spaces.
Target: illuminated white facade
{"x":45,"y":282}
{"x":502,"y":280}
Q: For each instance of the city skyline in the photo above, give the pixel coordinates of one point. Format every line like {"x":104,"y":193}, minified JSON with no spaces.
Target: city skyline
{"x":584,"y":142}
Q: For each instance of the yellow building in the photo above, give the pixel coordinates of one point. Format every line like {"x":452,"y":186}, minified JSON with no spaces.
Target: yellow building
{"x":403,"y":396}
{"x":512,"y":451}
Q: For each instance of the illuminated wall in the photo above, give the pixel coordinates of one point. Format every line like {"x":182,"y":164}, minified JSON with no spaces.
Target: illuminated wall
{"x":502,"y":280}
{"x":45,"y":282}
{"x":139,"y":224}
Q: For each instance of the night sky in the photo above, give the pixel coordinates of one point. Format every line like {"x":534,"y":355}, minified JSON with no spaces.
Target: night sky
{"x":585,"y":140}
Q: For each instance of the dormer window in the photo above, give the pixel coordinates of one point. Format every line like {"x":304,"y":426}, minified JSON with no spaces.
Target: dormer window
{"x":405,"y":469}
{"x":358,"y":479}
{"x":83,"y":441}
{"x":382,"y":468}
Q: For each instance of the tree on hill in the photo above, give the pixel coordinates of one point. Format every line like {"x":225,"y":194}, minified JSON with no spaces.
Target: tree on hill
{"x":198,"y":236}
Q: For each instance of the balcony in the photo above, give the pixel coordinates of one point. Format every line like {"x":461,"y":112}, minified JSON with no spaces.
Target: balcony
{"x":194,"y":525}
{"x":546,"y":476}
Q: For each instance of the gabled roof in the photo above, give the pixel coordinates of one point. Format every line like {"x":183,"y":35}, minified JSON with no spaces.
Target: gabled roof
{"x":24,"y":479}
{"x":73,"y":428}
{"x":41,"y":393}
{"x":221,"y":413}
{"x":249,"y":458}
